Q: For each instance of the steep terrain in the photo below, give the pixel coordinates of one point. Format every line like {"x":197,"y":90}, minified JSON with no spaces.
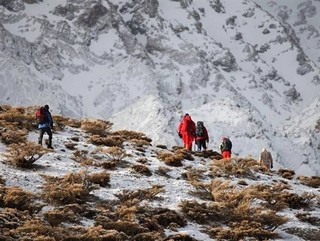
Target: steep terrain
{"x":99,"y":184}
{"x":248,"y":69}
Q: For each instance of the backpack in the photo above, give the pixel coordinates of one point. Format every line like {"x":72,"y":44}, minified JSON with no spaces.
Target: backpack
{"x":41,"y":115}
{"x":227,"y":144}
{"x":199,"y":131}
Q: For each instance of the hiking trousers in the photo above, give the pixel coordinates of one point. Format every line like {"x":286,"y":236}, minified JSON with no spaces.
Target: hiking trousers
{"x":49,"y":132}
{"x":202,"y":143}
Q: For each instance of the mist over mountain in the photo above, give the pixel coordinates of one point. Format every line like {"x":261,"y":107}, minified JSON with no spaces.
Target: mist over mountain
{"x":248,"y":69}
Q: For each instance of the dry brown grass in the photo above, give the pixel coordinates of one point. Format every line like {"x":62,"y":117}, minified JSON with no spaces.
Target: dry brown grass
{"x":310,"y":234}
{"x":69,"y":189}
{"x":13,"y":136}
{"x":132,"y":135}
{"x":313,"y":181}
{"x":107,"y":141}
{"x":11,"y":218}
{"x":18,"y":118}
{"x":140,"y":194}
{"x":16,"y":197}
{"x":142,"y":169}
{"x":239,"y":167}
{"x":286,"y":173}
{"x":308,"y":218}
{"x":238,"y":207}
{"x":24,"y":154}
{"x":61,"y":122}
{"x":96,"y":127}
{"x":56,"y":217}
{"x":241,"y":230}
{"x":174,"y":158}
{"x":101,"y":178}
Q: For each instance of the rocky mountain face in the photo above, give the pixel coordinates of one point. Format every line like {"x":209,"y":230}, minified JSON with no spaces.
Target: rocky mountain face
{"x":248,"y":69}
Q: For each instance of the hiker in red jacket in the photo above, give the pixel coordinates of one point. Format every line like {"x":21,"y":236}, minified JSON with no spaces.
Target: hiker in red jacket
{"x":187,"y":131}
{"x":225,"y":147}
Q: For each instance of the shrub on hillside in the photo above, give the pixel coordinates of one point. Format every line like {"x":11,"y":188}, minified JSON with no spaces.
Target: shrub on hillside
{"x":16,"y":197}
{"x":132,"y":135}
{"x":107,"y":141}
{"x":13,"y":136}
{"x":235,"y":167}
{"x":142,"y":169}
{"x":140,"y":194}
{"x":174,"y":158}
{"x":24,"y":154}
{"x":71,"y":188}
{"x":313,"y":181}
{"x":18,"y":117}
{"x":96,"y":127}
{"x":286,"y":173}
{"x":101,"y":178}
{"x":170,"y":159}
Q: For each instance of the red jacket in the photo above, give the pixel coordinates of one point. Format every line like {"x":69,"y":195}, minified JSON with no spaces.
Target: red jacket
{"x":187,"y":125}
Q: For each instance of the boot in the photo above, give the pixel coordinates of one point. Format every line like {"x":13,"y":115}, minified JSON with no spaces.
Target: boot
{"x":50,"y":144}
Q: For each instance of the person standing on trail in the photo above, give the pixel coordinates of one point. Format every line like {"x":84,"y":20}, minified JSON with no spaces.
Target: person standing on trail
{"x":225,"y":147}
{"x":202,"y":137}
{"x":187,"y":131}
{"x":45,"y":124}
{"x":265,"y":159}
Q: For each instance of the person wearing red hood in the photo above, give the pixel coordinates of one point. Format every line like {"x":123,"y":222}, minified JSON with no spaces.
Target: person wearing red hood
{"x":187,"y":131}
{"x":225,"y":147}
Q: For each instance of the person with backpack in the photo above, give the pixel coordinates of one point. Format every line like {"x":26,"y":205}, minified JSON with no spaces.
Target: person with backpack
{"x":225,"y":147}
{"x":187,"y":131}
{"x":45,"y":124}
{"x":202,"y":137}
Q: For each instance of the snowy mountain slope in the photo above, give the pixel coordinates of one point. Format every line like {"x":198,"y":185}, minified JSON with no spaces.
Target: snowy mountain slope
{"x":176,"y":182}
{"x":144,"y":64}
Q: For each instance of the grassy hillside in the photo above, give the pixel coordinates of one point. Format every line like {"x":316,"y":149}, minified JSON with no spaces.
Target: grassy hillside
{"x":98,"y":184}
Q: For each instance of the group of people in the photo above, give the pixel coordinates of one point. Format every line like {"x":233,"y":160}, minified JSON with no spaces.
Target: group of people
{"x":188,"y":131}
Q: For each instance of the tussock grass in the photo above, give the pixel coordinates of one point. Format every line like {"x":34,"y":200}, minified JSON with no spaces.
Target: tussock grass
{"x":11,"y":218}
{"x":96,"y":127}
{"x":101,"y":178}
{"x":180,"y":237}
{"x":16,"y":197}
{"x":308,"y":218}
{"x":313,"y":181}
{"x":71,"y":188}
{"x":208,"y":154}
{"x":142,"y":169}
{"x":140,"y":194}
{"x":239,"y":167}
{"x":132,"y":135}
{"x":286,"y":173}
{"x":24,"y":154}
{"x":61,"y":122}
{"x":174,"y":158}
{"x":13,"y":136}
{"x":18,"y":118}
{"x":311,"y":234}
{"x":107,"y":141}
{"x":64,"y":214}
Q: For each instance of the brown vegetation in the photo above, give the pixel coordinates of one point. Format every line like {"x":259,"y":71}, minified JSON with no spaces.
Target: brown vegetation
{"x":24,"y":154}
{"x":313,"y":181}
{"x":96,"y":127}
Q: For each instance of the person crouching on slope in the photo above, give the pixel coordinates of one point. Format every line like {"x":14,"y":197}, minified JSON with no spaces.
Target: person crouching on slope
{"x":187,"y":131}
{"x":225,"y":147}
{"x":265,"y":159}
